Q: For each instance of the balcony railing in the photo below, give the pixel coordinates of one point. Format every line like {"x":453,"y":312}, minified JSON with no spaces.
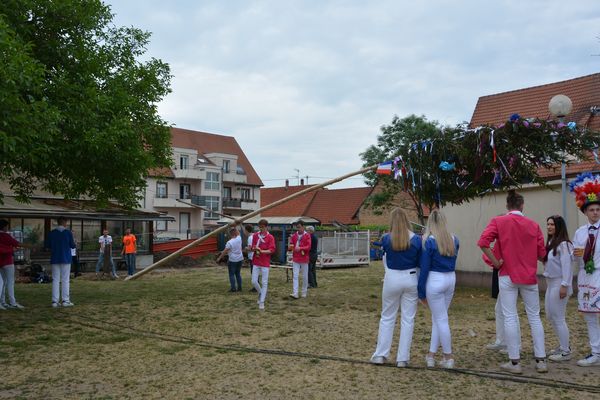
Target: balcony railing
{"x":232,"y":203}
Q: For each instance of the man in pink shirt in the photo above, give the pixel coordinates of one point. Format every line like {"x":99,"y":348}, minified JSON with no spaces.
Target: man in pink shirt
{"x":300,"y":247}
{"x":263,"y":246}
{"x":521,"y":246}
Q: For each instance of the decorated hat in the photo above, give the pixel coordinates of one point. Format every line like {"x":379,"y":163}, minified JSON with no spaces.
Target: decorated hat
{"x":586,"y":188}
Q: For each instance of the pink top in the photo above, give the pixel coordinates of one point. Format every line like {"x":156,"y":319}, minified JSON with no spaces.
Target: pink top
{"x":301,"y":247}
{"x":521,"y":246}
{"x":7,"y":244}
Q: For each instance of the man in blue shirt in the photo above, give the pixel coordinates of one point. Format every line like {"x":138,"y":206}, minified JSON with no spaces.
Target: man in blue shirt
{"x":61,"y":242}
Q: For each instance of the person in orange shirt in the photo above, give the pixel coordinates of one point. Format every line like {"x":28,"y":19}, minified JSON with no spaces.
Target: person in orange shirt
{"x":129,"y":251}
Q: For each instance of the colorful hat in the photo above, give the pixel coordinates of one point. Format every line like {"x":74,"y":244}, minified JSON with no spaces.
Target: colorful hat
{"x":587,"y":190}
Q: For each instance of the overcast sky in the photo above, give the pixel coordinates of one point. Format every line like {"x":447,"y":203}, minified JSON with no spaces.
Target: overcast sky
{"x":307,"y":84}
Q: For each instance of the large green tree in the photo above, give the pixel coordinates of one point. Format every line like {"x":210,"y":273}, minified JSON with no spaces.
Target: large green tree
{"x":437,"y":165}
{"x":78,"y":101}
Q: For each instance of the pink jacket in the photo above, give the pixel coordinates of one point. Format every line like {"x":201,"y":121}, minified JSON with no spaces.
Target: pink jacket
{"x":521,"y":246}
{"x":300,"y":254}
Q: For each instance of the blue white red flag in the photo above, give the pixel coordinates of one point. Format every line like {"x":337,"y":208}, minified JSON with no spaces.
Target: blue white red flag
{"x":385,"y":168}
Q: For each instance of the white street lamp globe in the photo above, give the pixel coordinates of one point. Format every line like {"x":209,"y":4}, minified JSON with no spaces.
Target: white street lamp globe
{"x":560,"y":105}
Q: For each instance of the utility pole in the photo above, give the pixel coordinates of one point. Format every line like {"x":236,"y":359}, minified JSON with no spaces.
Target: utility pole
{"x":297,"y":175}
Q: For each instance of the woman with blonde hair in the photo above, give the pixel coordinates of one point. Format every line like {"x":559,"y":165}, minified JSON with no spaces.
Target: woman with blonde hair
{"x":436,"y":284}
{"x":402,"y":250}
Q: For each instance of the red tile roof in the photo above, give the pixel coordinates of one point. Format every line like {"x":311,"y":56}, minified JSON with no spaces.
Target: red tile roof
{"x":584,"y":92}
{"x":292,"y":208}
{"x":326,"y":205}
{"x":212,"y":143}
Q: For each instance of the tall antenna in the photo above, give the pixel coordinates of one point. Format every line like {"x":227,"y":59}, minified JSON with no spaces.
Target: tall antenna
{"x":297,"y":175}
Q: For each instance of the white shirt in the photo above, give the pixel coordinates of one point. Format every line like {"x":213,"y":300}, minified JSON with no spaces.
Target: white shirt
{"x":580,"y":240}
{"x":559,"y":265}
{"x":250,"y":253}
{"x":104,"y":241}
{"x":235,"y":249}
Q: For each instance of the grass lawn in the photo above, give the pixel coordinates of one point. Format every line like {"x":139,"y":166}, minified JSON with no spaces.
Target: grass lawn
{"x":181,"y":335}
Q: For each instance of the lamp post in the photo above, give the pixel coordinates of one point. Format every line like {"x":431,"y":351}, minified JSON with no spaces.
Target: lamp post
{"x":559,"y":106}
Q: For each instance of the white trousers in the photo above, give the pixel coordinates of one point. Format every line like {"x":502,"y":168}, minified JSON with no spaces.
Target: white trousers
{"x":7,"y":283}
{"x":556,"y":310}
{"x":440,"y":290}
{"x":262,"y":291}
{"x":297,"y":268}
{"x":500,"y":335}
{"x":399,"y":292}
{"x":593,"y":324}
{"x":60,"y":277}
{"x":530,"y":295}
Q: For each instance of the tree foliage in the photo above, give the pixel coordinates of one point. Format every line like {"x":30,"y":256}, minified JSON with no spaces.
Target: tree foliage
{"x":437,"y":165}
{"x":78,"y":106}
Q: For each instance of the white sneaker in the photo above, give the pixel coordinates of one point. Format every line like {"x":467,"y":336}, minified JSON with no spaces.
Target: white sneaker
{"x":294,"y":296}
{"x":2,"y":307}
{"x":555,"y":351}
{"x":378,"y":360}
{"x":429,"y":361}
{"x":541,"y":366}
{"x":447,"y":364}
{"x":303,"y":295}
{"x":55,"y":305}
{"x":495,"y":346}
{"x":512,"y":368}
{"x":261,"y":306}
{"x":402,"y":364}
{"x":67,"y":304}
{"x":590,"y":361}
{"x":560,"y":356}
{"x":17,"y":305}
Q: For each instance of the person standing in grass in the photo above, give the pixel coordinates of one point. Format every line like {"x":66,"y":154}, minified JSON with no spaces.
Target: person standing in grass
{"x":436,"y":284}
{"x":233,"y":248}
{"x":300,"y":247}
{"x":263,"y":246}
{"x":60,"y":241}
{"x":129,"y":251}
{"x":105,"y":242}
{"x":249,"y":232}
{"x":7,"y":267}
{"x":587,"y":257}
{"x":312,"y":258}
{"x":559,"y":281}
{"x":522,"y":244}
{"x":403,"y":250}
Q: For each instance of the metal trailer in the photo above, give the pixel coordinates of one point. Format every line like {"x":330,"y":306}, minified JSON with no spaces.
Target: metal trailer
{"x":345,"y":249}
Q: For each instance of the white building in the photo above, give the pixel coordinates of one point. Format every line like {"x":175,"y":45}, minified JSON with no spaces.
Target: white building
{"x":210,"y":171}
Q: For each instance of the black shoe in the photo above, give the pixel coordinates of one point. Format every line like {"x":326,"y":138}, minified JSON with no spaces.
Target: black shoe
{"x":232,"y":290}
{"x":253,"y":290}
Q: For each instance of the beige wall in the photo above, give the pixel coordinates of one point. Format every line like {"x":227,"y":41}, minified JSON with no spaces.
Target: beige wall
{"x":468,"y":220}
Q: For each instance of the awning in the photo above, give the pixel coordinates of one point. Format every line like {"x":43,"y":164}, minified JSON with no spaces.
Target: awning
{"x":276,"y":220}
{"x":74,"y":209}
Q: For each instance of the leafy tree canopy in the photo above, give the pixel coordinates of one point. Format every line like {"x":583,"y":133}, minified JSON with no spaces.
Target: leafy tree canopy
{"x":436,"y":165}
{"x":78,"y":107}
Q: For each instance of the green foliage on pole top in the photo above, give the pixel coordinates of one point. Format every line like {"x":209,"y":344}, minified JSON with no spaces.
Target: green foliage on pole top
{"x":79,"y":108}
{"x":442,"y":165}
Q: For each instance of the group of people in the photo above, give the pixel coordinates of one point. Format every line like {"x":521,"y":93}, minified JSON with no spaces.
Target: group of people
{"x":260,"y":247}
{"x":422,"y":268}
{"x":63,"y":254}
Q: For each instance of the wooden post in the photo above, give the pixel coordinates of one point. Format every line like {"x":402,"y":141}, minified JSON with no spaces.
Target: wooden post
{"x":245,"y":217}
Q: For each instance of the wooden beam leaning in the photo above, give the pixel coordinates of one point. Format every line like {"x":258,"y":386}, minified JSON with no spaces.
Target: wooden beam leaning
{"x":245,"y":217}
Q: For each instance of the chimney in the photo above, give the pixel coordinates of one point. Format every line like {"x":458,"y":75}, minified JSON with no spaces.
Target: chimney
{"x":302,"y":182}
{"x":287,"y":183}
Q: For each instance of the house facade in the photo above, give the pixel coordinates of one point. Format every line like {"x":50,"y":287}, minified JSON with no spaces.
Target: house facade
{"x":210,"y":177}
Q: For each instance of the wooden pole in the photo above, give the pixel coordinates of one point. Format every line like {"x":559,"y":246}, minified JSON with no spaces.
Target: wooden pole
{"x":176,"y":254}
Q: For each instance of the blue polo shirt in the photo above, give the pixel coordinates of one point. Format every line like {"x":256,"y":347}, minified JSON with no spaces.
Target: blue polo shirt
{"x":60,"y":241}
{"x":432,"y":260}
{"x":405,"y":259}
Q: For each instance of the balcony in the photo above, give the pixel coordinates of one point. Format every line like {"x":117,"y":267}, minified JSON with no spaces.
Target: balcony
{"x":170,"y":201}
{"x":232,"y":203}
{"x":193,"y":172}
{"x":240,"y":204}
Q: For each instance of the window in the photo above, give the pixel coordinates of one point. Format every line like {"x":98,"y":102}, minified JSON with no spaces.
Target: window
{"x":160,"y":226}
{"x":91,"y":232}
{"x":240,"y":170}
{"x":184,"y":191}
{"x":226,"y":193}
{"x":161,"y":190}
{"x":212,"y":181}
{"x":226,"y":166}
{"x":184,"y":161}
{"x":246,"y":194}
{"x":212,"y":203}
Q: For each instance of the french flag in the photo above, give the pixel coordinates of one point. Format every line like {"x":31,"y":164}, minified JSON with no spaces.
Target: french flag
{"x":385,"y":168}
